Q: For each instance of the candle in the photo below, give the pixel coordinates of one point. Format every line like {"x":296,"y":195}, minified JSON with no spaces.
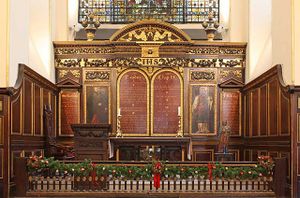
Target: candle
{"x":119,"y":112}
{"x":179,"y":113}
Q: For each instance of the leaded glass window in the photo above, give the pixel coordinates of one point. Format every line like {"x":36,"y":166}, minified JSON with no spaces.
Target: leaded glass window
{"x":127,"y":11}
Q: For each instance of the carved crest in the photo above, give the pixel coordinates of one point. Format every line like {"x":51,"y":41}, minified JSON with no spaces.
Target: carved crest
{"x":150,"y":30}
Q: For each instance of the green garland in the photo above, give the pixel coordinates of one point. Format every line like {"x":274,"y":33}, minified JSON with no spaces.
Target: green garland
{"x":50,"y":167}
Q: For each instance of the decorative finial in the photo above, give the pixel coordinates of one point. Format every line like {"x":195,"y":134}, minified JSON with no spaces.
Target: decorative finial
{"x":210,"y":26}
{"x":90,"y":25}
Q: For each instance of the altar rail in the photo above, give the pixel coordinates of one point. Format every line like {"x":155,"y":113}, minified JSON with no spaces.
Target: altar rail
{"x":71,"y":185}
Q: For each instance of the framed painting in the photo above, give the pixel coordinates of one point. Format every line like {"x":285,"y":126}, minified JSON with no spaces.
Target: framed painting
{"x":97,"y":106}
{"x":203,"y":111}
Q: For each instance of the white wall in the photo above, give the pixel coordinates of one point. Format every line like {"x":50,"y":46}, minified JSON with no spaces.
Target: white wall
{"x":260,"y":38}
{"x":281,"y":37}
{"x":296,"y":43}
{"x":238,"y":21}
{"x":4,"y":46}
{"x":31,"y":37}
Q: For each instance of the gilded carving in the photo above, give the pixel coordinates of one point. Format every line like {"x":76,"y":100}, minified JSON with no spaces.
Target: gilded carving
{"x":227,"y":73}
{"x":205,"y":50}
{"x":97,"y":75}
{"x":68,"y":62}
{"x":62,"y":73}
{"x":230,"y":50}
{"x":230,"y":63}
{"x":150,"y":34}
{"x":82,"y":50}
{"x":203,"y":63}
{"x":200,"y":75}
{"x":217,"y":50}
{"x":96,"y":63}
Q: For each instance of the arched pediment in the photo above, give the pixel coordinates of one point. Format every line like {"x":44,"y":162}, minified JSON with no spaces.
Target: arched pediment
{"x":150,"y":30}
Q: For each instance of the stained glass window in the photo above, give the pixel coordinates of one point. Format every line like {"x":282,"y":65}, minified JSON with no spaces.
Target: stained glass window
{"x":127,"y":11}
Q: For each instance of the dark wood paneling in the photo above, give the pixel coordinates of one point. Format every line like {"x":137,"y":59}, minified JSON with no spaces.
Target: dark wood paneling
{"x":284,"y":115}
{"x":28,"y":105}
{"x":37,"y":110}
{"x":273,"y":107}
{"x":16,"y":114}
{"x":263,"y":111}
{"x":254,"y":112}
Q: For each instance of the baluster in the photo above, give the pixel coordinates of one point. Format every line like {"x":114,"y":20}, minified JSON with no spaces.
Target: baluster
{"x":150,"y":185}
{"x":187,"y":185}
{"x":143,"y":185}
{"x":169,"y":186}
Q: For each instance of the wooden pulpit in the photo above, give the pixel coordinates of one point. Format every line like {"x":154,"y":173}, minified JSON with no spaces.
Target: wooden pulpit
{"x":90,"y":141}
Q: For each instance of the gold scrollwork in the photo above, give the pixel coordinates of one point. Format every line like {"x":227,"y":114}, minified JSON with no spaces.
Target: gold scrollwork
{"x":227,"y":73}
{"x":96,"y":63}
{"x":97,"y":75}
{"x":202,"y":75}
{"x":203,"y":62}
{"x":82,"y":50}
{"x":230,"y":63}
{"x":68,"y":62}
{"x":150,"y":34}
{"x":62,"y":73}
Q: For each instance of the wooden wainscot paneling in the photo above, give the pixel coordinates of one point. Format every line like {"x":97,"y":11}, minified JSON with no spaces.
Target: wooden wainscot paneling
{"x":254,"y":113}
{"x":263,"y":111}
{"x":1,"y":130}
{"x":273,"y":107}
{"x":15,"y":154}
{"x":28,"y":101}
{"x":298,"y":126}
{"x":38,"y":110}
{"x":247,"y":155}
{"x":1,"y":163}
{"x":69,"y":111}
{"x":203,"y":155}
{"x":16,"y":112}
{"x":284,"y":114}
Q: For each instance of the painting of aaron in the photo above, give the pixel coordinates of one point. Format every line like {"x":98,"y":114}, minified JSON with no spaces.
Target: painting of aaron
{"x":97,"y":104}
{"x":203,"y":109}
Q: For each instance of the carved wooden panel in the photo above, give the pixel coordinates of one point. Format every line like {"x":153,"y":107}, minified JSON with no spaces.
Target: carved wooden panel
{"x":254,"y":112}
{"x":247,"y":155}
{"x":69,"y":111}
{"x":53,"y":101}
{"x":46,"y":100}
{"x":28,"y":107}
{"x":284,"y":115}
{"x":273,"y":111}
{"x":166,"y":93}
{"x":16,"y":119}
{"x":263,"y":113}
{"x":1,"y":163}
{"x":97,"y":103}
{"x":1,"y":130}
{"x":133,"y":103}
{"x":38,"y":110}
{"x":231,"y":110}
{"x":204,"y":155}
{"x":203,"y":109}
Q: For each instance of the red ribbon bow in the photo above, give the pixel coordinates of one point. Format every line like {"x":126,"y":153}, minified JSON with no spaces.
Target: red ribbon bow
{"x":210,"y":168}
